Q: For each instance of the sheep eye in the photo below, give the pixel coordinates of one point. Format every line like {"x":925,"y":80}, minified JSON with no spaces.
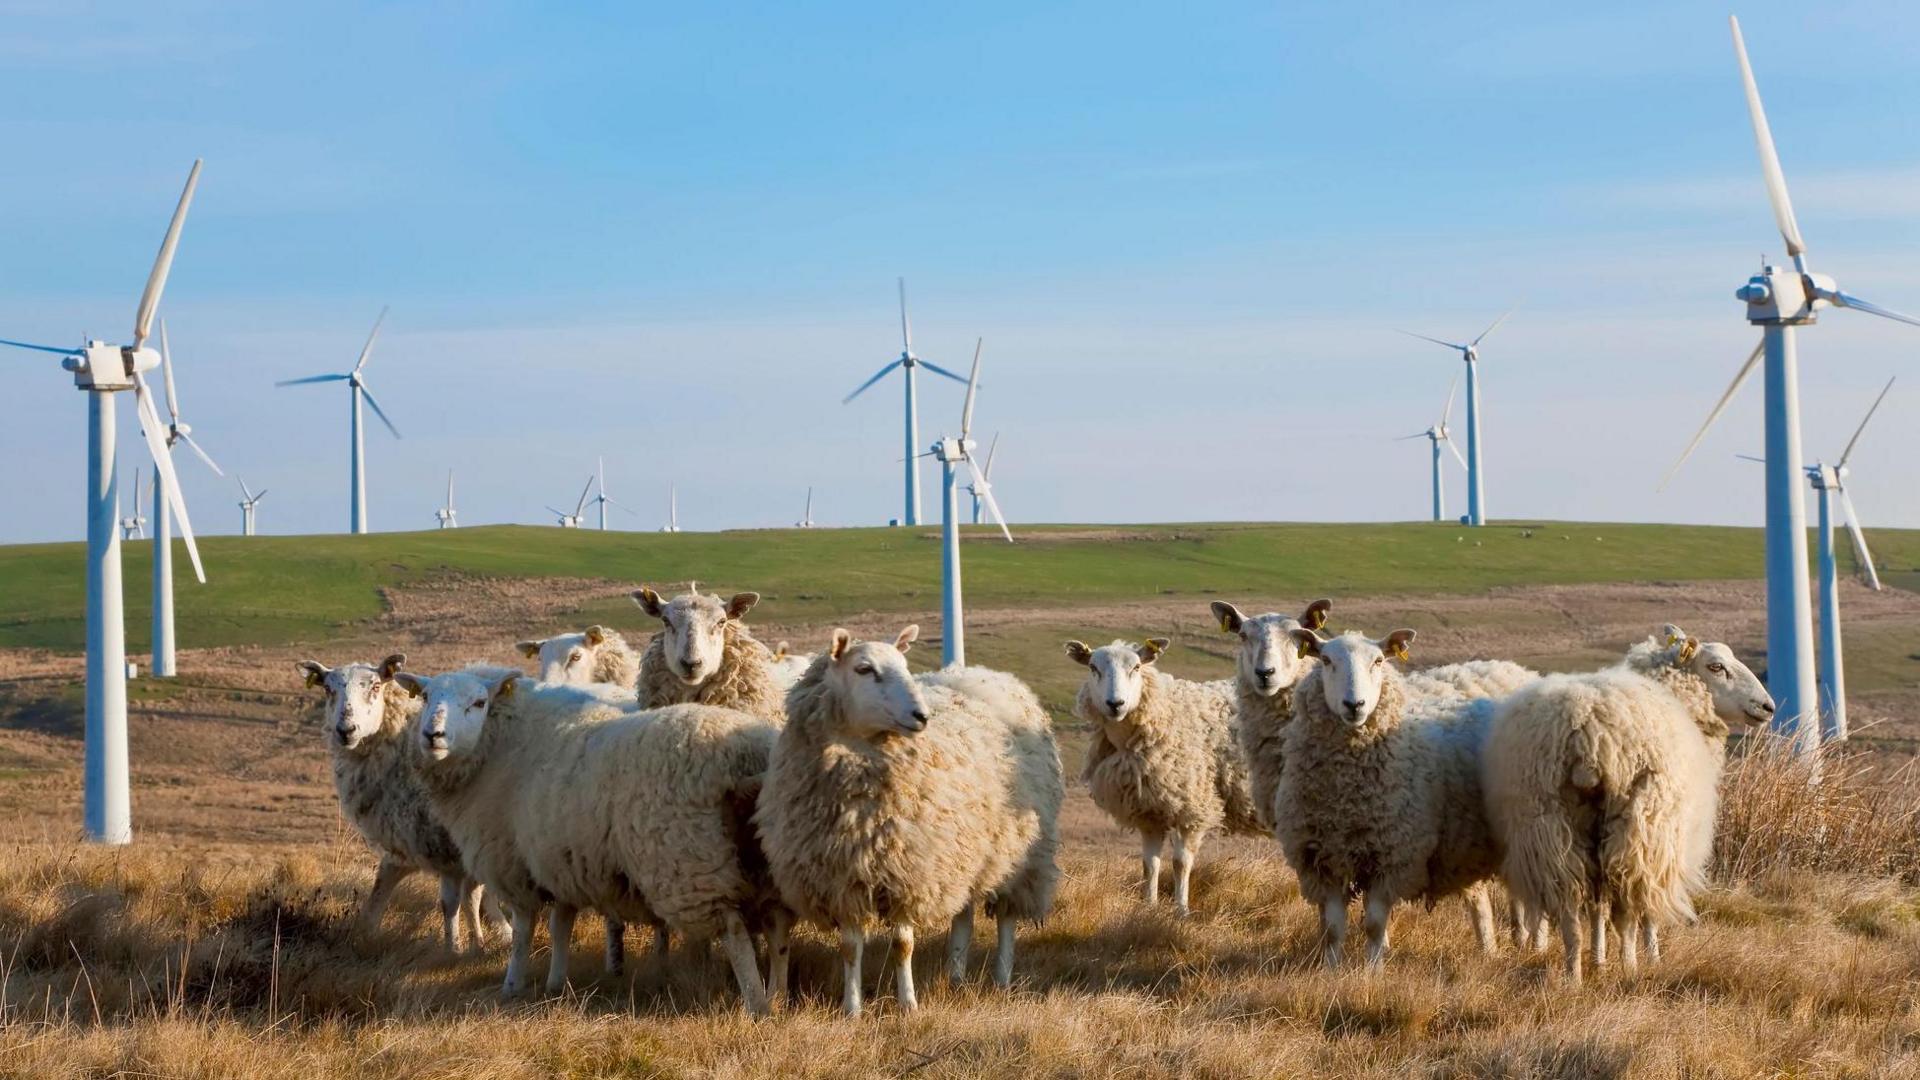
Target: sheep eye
{"x":1378,"y":660}
{"x":1717,"y":668}
{"x":863,"y":669}
{"x":480,"y":704}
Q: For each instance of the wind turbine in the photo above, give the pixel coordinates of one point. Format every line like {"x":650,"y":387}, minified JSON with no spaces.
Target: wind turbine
{"x":673,"y":511}
{"x":248,"y":501}
{"x":177,"y":432}
{"x":908,"y":362}
{"x":951,"y":452}
{"x":357,"y":381}
{"x":572,"y":521}
{"x":984,"y":484}
{"x":103,"y":370}
{"x":806,"y":522}
{"x":132,"y":526}
{"x":1476,"y":485}
{"x":1778,"y":301}
{"x":603,"y":500}
{"x":1435,"y":435}
{"x":445,"y":515}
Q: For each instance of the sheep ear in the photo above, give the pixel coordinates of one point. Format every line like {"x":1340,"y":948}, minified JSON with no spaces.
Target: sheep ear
{"x":741,"y":603}
{"x":907,"y":638}
{"x":1396,"y":644}
{"x":842,"y":641}
{"x":411,"y":683}
{"x":1686,"y":652}
{"x":1315,"y":616}
{"x":650,"y":602}
{"x":503,"y":688}
{"x":314,"y":670}
{"x":1228,"y":615}
{"x":391,"y":666}
{"x":596,"y":634}
{"x":780,"y":650}
{"x":1672,"y":635}
{"x":1151,"y":651}
{"x":1080,"y":653}
{"x":1306,"y":642}
{"x":529,"y":649}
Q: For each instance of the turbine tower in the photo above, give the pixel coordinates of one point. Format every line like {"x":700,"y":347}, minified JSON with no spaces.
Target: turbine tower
{"x":1778,"y":301}
{"x":985,"y":482}
{"x":908,"y":362}
{"x":673,"y":511}
{"x":102,"y":370}
{"x":806,"y":521}
{"x":132,"y":526}
{"x":571,"y":521}
{"x":952,"y":452}
{"x":177,"y":432}
{"x":1435,"y":435}
{"x":357,"y":382}
{"x":445,"y":515}
{"x":248,"y":500}
{"x":603,"y":500}
{"x":1476,"y":484}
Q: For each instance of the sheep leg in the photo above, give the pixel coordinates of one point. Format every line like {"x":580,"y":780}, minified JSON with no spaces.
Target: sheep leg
{"x":1650,"y":939}
{"x":1480,"y":913}
{"x":1570,"y":942}
{"x":490,"y":911}
{"x":1625,"y":926}
{"x":470,"y":916}
{"x":779,"y":951}
{"x":1333,"y":929}
{"x":903,"y":967}
{"x":450,"y":913}
{"x":746,"y":966}
{"x":1377,"y":910}
{"x":1183,"y":854}
{"x":1597,"y":917}
{"x":1150,"y":843}
{"x":959,"y":942}
{"x":519,"y":956}
{"x":1003,"y":953}
{"x":661,"y":944}
{"x":616,"y":953}
{"x":852,"y":941}
{"x":391,"y":873}
{"x":560,"y":932}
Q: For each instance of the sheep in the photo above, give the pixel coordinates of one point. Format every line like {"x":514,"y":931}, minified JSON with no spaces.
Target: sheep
{"x":788,"y":666}
{"x":368,"y":740}
{"x":1471,"y":679}
{"x":1164,"y":759}
{"x":559,"y":797}
{"x":1267,"y":666}
{"x":705,"y":654}
{"x":1603,"y":788}
{"x":1381,"y":793}
{"x":593,"y":655}
{"x":910,"y":801}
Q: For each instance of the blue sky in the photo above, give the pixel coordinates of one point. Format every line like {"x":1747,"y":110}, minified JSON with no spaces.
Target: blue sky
{"x":670,"y":236}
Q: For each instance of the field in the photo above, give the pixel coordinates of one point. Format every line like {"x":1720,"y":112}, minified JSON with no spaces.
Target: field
{"x":220,"y":942}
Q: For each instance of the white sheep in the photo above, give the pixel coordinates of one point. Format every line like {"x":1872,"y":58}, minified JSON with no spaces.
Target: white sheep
{"x":1603,"y":788}
{"x":559,"y":797}
{"x":593,"y":655}
{"x":909,"y":801}
{"x":1164,"y":759}
{"x":1471,"y":679}
{"x":704,"y":653}
{"x":1266,"y":667}
{"x":788,"y":666}
{"x":368,"y":738}
{"x":1381,"y":793}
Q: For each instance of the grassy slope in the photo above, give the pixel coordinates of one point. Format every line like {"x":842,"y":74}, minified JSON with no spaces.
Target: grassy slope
{"x":269,"y":590}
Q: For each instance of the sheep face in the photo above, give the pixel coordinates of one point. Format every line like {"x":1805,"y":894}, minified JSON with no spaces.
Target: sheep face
{"x":356,"y":697}
{"x":1739,"y":697}
{"x":1353,"y":668}
{"x":567,"y":659}
{"x":876,"y":693}
{"x":455,"y":711}
{"x":1117,"y":674}
{"x":1268,"y":660}
{"x":696,"y":630}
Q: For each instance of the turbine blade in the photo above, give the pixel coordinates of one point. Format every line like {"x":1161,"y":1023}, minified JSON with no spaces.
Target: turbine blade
{"x":1769,"y":157}
{"x":1750,"y":457}
{"x":881,"y":374}
{"x":367,"y":350}
{"x":1457,"y":455}
{"x":581,"y":506}
{"x":204,"y":456}
{"x":985,"y":491}
{"x":1435,"y":340}
{"x":44,"y":348}
{"x":1848,"y":300}
{"x":992,"y":448}
{"x":166,"y":368}
{"x":262,"y":495}
{"x":243,"y":487}
{"x":906,"y":328}
{"x":973,"y":387}
{"x":1491,"y":329}
{"x":313,"y":379}
{"x":1859,"y":540}
{"x":162,"y":266}
{"x":1446,"y":414}
{"x":377,"y":410}
{"x":1848,"y":452}
{"x":163,"y":461}
{"x":938,"y":370}
{"x":1719,"y":407}
{"x":1415,"y":435}
{"x":557,"y":512}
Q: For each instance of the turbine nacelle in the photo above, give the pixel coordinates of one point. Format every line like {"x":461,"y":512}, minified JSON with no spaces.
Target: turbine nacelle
{"x":101,"y":366}
{"x":1786,"y":297}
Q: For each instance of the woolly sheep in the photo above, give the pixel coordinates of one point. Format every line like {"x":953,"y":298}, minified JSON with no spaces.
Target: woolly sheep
{"x":1266,"y":667}
{"x":1603,"y":788}
{"x":1381,"y":793}
{"x":705,"y":654}
{"x":1164,"y":759}
{"x":788,"y":666}
{"x":368,"y":739}
{"x":593,"y":655}
{"x":559,"y":797}
{"x":908,"y":801}
{"x":1471,"y":679}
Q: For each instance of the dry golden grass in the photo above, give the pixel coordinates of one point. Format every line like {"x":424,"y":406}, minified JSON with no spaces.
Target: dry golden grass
{"x":156,"y":962}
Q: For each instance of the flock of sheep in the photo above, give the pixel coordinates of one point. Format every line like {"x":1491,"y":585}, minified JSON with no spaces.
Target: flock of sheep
{"x":712,"y":787}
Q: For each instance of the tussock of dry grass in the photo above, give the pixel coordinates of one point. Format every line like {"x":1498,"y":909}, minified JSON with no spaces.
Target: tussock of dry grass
{"x":147,"y":962}
{"x":1837,"y":810}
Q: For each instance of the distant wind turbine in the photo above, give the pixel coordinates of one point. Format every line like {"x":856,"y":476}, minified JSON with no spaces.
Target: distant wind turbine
{"x":572,"y":521}
{"x":1435,"y":435}
{"x":164,"y":664}
{"x":445,"y":515}
{"x":248,"y":500}
{"x":1476,"y":484}
{"x":908,"y":362}
{"x":673,"y":511}
{"x":357,"y":381}
{"x":978,"y":488}
{"x":952,"y":452}
{"x":132,"y":526}
{"x":603,"y":500}
{"x":806,"y":522}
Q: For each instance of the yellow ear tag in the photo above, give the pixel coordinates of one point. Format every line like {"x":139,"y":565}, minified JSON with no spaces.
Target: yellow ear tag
{"x":1687,"y":651}
{"x":313,"y":678}
{"x":1225,"y":626}
{"x":1400,"y":653}
{"x":1302,"y":653}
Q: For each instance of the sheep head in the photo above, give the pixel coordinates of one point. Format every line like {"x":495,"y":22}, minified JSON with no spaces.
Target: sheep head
{"x":1116,"y":675}
{"x":872,"y":687}
{"x":1268,"y":659}
{"x":1353,"y":668}
{"x":356,"y":697}
{"x":1739,"y":697}
{"x":695,"y":628}
{"x":455,"y":710}
{"x":567,"y":659}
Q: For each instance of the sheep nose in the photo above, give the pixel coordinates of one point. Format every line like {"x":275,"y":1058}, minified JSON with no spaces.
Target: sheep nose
{"x":1767,"y":707}
{"x":920,"y":715}
{"x":1265,"y":673}
{"x":1353,"y":707}
{"x":1114,"y":707}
